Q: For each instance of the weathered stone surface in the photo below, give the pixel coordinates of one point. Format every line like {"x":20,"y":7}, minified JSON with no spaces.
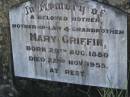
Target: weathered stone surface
{"x":76,"y":56}
{"x":5,"y":52}
{"x":6,"y":88}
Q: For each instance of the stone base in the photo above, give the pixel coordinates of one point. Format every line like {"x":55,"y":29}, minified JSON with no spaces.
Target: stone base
{"x":6,"y":91}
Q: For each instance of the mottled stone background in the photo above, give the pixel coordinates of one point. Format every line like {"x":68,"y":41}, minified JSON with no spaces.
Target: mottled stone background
{"x":21,"y":88}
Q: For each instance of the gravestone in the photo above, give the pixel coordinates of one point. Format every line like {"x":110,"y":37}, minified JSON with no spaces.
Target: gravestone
{"x":73,"y":41}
